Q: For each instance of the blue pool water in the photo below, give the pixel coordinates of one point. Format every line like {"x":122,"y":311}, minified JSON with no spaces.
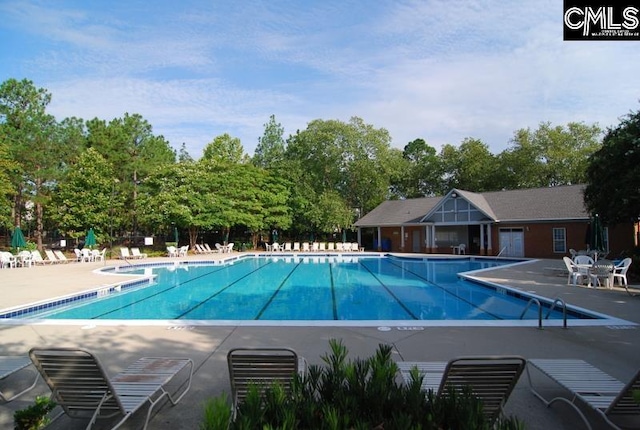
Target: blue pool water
{"x":310,"y":288}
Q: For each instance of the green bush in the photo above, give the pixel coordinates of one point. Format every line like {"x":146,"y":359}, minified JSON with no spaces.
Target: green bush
{"x":34,"y":417}
{"x":357,"y":394}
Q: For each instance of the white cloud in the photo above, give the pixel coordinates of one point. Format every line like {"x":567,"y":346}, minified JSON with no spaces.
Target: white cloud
{"x":438,"y":70}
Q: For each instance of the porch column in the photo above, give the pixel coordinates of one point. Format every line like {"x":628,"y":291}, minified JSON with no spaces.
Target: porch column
{"x":427,"y":238}
{"x":379,"y":239}
{"x":489,"y":250}
{"x":359,"y":237}
{"x":482,"y":232}
{"x":433,"y":238}
{"x":401,"y":238}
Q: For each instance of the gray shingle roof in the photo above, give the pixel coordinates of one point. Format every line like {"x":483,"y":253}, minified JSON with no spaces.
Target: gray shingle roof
{"x":534,"y":204}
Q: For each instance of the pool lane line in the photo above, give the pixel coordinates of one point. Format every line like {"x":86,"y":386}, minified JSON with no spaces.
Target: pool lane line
{"x":334,"y":301}
{"x":162,"y":292}
{"x":275,"y":293}
{"x":446,"y":291}
{"x":406,"y":309}
{"x":223,"y":289}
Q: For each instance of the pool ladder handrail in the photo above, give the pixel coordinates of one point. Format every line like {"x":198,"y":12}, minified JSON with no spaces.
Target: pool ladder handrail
{"x":501,"y":251}
{"x":553,"y":305}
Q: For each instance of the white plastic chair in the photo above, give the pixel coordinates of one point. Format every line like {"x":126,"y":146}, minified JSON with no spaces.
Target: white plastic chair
{"x":620,"y":271}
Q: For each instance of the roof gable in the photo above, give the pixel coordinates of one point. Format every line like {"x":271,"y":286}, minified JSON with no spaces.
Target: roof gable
{"x":533,"y":204}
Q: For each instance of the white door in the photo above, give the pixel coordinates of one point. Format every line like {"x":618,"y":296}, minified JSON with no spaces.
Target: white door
{"x":512,"y":241}
{"x":415,"y":241}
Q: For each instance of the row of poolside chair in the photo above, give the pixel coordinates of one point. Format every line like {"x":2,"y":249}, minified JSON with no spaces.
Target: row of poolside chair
{"x":33,"y":258}
{"x":134,"y":254}
{"x":81,"y":386}
{"x":314,"y":247}
{"x":172,"y":251}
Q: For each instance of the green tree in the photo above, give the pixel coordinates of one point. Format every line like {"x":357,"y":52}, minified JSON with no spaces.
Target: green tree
{"x":613,"y":174}
{"x":421,"y":174}
{"x":86,"y":198}
{"x":549,"y":156}
{"x":330,"y":213}
{"x":224,"y":149}
{"x":133,"y":150}
{"x":183,"y":154}
{"x":470,"y":167}
{"x":36,"y":145}
{"x":6,"y":190}
{"x":353,"y":159}
{"x":271,"y":146}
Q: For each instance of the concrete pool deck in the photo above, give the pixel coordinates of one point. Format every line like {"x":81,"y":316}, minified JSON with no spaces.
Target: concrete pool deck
{"x":614,"y":349}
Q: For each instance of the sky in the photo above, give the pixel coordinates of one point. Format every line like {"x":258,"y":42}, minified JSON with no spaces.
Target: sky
{"x":439,"y":70}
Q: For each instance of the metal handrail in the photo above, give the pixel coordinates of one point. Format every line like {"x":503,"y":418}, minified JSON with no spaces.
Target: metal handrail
{"x":501,"y":251}
{"x":564,"y":311}
{"x":526,"y":308}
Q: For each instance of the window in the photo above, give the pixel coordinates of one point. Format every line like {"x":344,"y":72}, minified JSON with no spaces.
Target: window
{"x":559,"y":240}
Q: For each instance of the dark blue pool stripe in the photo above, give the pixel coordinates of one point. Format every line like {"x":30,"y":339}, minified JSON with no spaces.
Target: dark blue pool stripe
{"x":404,"y":269}
{"x":222,"y":289}
{"x":204,"y":275}
{"x":275,"y":293}
{"x":400,"y":302}
{"x":334,"y":301}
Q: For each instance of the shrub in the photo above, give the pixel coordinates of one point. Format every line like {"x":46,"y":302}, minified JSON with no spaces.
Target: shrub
{"x":358,"y":394}
{"x":34,"y":417}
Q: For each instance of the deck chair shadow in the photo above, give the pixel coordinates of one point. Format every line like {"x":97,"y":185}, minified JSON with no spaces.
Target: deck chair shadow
{"x":491,"y":378}
{"x":12,"y":365}
{"x":589,"y":386}
{"x":263,"y":367}
{"x":80,"y":385}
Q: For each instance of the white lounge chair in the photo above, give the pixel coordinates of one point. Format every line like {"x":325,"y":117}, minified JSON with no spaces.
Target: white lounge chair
{"x":183,"y":251}
{"x":81,"y":386}
{"x":229,"y":247}
{"x":10,"y":365}
{"x":124,"y":253}
{"x":322,"y":246}
{"x":339,"y":246}
{"x":208,"y":249}
{"x":198,"y":249}
{"x":51,"y":257}
{"x":78,"y":254}
{"x":315,"y":247}
{"x":287,"y":247}
{"x":330,"y":246}
{"x":37,"y":259}
{"x":305,"y":247}
{"x":172,"y":251}
{"x":296,"y":247}
{"x":610,"y":398}
{"x":491,"y":379}
{"x":276,"y":247}
{"x":135,"y":253}
{"x":261,"y":366}
{"x":60,"y":256}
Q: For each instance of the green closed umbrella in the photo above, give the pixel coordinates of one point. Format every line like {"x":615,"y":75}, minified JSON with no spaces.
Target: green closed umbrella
{"x":90,"y":239}
{"x":17,"y":239}
{"x":175,"y":235}
{"x":596,"y":234}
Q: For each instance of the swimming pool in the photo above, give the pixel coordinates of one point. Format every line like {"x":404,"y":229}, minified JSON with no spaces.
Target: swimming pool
{"x":298,"y":290}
